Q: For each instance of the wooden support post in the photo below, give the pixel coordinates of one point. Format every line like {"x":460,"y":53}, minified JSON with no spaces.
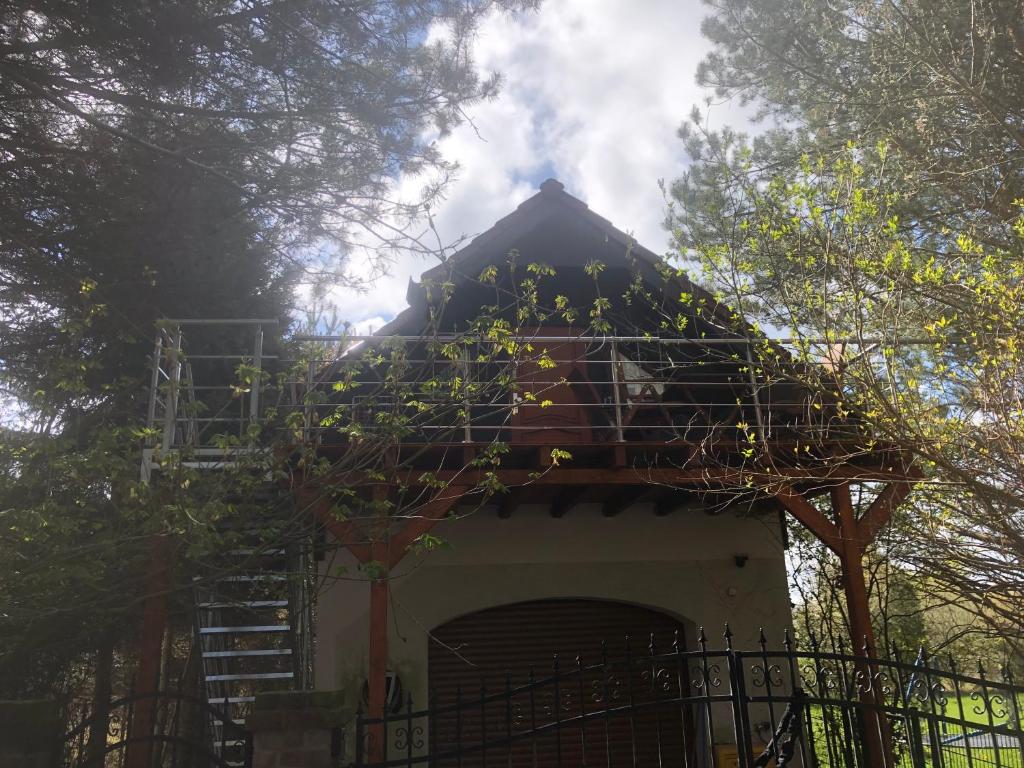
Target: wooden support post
{"x":877,"y":742}
{"x":377,"y":643}
{"x":851,"y":556}
{"x":383,"y":553}
{"x":151,"y":639}
{"x":377,"y":677}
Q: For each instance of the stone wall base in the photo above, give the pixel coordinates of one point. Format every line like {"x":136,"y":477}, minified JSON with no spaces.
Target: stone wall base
{"x":296,"y":729}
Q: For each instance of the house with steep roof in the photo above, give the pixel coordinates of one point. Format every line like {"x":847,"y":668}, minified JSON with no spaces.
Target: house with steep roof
{"x":552,"y":500}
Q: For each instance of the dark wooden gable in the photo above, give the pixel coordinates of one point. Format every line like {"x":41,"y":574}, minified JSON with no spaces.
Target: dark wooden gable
{"x":648,"y":390}
{"x":556,"y":229}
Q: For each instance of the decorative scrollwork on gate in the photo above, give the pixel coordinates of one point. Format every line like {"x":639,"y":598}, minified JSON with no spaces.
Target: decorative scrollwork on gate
{"x":989,"y":703}
{"x":767,"y":677}
{"x":518,"y":718}
{"x":877,"y":682}
{"x":404,"y":738}
{"x":656,"y":680}
{"x":706,"y":679}
{"x":606,"y":690}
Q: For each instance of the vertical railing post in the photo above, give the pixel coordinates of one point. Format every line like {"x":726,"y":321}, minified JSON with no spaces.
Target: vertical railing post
{"x":309,"y":403}
{"x":257,"y":380}
{"x":616,"y":394}
{"x":755,"y":394}
{"x":467,"y":405}
{"x":191,"y":439}
{"x":173,"y":381}
{"x":154,"y":382}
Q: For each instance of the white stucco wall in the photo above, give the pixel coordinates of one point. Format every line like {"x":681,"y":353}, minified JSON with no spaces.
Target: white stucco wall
{"x":682,"y":564}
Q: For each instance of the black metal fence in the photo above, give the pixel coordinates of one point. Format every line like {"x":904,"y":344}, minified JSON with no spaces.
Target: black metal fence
{"x":714,"y":709}
{"x":187,"y":733}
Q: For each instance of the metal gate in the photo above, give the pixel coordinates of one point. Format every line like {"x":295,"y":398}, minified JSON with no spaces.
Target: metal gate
{"x":714,"y":709}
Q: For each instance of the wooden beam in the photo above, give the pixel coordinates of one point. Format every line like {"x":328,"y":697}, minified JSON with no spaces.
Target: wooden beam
{"x":509,"y":502}
{"x":621,"y":499}
{"x":671,"y":476}
{"x":566,"y":500}
{"x":810,"y":517}
{"x":878,"y":514}
{"x":667,"y":505}
{"x":700,"y":476}
{"x":427,"y":516}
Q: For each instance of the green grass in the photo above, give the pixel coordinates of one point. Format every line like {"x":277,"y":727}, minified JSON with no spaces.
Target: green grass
{"x":953,"y":756}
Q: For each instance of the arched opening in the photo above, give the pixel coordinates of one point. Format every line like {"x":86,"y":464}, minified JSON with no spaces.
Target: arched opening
{"x":492,"y":675}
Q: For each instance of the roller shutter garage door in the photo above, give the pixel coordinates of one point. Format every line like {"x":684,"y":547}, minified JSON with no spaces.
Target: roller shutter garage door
{"x":476,"y":659}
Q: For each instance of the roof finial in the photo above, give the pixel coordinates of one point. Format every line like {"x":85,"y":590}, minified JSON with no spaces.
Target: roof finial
{"x":551,"y":186}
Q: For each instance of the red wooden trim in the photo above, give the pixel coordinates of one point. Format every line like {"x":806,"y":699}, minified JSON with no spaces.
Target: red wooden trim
{"x":810,"y":517}
{"x":634,"y":476}
{"x":427,"y":517}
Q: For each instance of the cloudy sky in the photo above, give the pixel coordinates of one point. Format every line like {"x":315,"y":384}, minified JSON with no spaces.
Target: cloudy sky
{"x":594,"y":92}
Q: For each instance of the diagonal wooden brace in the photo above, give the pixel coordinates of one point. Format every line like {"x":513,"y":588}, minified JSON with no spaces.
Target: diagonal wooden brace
{"x":810,"y":517}
{"x":428,"y":515}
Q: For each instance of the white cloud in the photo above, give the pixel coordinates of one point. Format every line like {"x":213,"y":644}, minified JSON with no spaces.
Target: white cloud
{"x":593,"y":94}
